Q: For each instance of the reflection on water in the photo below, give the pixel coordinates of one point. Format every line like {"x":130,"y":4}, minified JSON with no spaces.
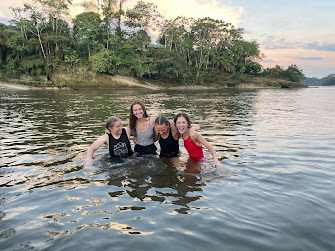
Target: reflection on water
{"x":276,"y":192}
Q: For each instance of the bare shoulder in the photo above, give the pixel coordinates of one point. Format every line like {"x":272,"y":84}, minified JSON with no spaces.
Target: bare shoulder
{"x":152,"y":121}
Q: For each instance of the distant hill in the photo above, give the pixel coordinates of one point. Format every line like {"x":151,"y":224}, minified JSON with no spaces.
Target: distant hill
{"x":326,"y":81}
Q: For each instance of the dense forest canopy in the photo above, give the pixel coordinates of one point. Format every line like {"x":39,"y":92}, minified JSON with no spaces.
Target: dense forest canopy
{"x":112,"y":39}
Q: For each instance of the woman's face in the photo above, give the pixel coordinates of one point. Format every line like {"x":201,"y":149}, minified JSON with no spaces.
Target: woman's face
{"x":182,"y":125}
{"x":138,"y":111}
{"x":117,"y":128}
{"x":162,"y":129}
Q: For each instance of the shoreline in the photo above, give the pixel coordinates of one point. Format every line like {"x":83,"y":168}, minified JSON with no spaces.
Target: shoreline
{"x":66,"y":82}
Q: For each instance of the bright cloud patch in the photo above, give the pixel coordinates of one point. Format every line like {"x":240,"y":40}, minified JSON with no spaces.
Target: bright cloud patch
{"x":171,"y":9}
{"x":76,"y":8}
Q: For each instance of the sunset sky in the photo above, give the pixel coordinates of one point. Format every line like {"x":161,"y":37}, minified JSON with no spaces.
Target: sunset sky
{"x":300,"y":32}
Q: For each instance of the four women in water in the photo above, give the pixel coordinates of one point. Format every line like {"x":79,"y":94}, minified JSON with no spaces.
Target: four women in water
{"x":147,"y":130}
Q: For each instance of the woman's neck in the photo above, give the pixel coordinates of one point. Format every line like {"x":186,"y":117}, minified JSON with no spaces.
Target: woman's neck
{"x":141,"y":120}
{"x":166,"y":134}
{"x":186,"y":134}
{"x":116,"y":136}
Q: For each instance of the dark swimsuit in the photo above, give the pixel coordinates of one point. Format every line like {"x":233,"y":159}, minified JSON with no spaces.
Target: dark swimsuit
{"x":169,"y":146}
{"x":119,"y":147}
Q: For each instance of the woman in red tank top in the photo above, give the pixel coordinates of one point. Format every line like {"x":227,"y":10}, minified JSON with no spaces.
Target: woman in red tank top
{"x":194,"y":147}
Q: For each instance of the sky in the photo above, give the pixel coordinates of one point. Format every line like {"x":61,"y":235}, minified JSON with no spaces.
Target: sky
{"x":300,"y":32}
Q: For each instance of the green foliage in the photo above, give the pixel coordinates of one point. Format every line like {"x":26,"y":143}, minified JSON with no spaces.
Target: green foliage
{"x":21,"y":46}
{"x":292,"y":73}
{"x":87,"y":30}
{"x":240,"y":77}
{"x":105,"y":61}
{"x":11,"y":68}
{"x":32,"y":65}
{"x":112,"y":40}
{"x":170,"y":65}
{"x":253,"y":68}
{"x":329,"y":80}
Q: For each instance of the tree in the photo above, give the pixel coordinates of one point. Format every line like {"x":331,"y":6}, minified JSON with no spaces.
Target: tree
{"x":329,"y":80}
{"x":293,"y":73}
{"x":105,"y":61}
{"x":208,"y":33}
{"x":87,"y":29}
{"x":32,"y":17}
{"x":5,"y":34}
{"x":143,"y":16}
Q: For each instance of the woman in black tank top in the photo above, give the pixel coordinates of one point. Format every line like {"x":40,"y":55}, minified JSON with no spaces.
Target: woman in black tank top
{"x":117,"y":140}
{"x":168,"y":138}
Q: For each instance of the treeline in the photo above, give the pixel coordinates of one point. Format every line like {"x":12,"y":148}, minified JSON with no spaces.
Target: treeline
{"x":108,"y":38}
{"x":326,"y":81}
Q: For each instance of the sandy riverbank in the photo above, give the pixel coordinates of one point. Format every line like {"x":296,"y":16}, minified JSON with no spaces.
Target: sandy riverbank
{"x":100,"y":81}
{"x":12,"y":86}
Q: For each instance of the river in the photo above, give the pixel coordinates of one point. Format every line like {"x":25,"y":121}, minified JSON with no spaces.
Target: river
{"x":276,"y":192}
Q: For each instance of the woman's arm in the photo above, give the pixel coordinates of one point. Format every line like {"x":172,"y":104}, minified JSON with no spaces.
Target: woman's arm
{"x":96,"y":144}
{"x":211,"y":149}
{"x":152,"y":123}
{"x":193,"y":131}
{"x":128,"y":132}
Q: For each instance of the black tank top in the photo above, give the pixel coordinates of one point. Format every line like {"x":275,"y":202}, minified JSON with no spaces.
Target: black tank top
{"x":169,"y":146}
{"x":120,"y":146}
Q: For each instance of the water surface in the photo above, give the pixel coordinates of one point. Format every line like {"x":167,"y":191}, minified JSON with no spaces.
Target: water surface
{"x":277,"y":192}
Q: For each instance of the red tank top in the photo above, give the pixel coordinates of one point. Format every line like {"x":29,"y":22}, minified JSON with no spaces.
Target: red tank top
{"x":195,"y":151}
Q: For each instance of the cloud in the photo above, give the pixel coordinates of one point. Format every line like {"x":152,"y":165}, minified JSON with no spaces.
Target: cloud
{"x":307,"y":58}
{"x":275,"y":43}
{"x":321,"y":47}
{"x":268,"y":61}
{"x":171,"y":9}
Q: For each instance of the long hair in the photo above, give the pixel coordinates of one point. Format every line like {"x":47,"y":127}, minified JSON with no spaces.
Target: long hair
{"x":185,"y":116}
{"x":132,"y":117}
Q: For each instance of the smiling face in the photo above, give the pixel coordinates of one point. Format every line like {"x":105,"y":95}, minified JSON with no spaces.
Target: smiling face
{"x":182,"y":125}
{"x":138,"y":111}
{"x":116,"y":129}
{"x":162,"y":129}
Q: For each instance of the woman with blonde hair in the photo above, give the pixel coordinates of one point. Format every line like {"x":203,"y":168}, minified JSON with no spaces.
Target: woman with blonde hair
{"x":117,"y":140}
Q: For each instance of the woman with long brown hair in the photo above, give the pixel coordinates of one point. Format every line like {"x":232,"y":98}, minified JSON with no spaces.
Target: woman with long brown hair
{"x":142,"y":128}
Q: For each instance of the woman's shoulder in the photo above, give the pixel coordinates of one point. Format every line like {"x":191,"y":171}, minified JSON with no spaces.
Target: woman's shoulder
{"x":104,"y":138}
{"x":152,"y":121}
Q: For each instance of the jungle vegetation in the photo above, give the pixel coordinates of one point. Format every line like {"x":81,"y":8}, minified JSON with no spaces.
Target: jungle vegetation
{"x":109,"y":38}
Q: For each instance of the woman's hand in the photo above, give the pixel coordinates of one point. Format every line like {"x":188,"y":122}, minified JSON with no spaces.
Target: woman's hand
{"x":89,"y":162}
{"x":218,"y":164}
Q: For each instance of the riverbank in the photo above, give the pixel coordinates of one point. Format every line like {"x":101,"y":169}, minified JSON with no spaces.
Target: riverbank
{"x":102,"y":81}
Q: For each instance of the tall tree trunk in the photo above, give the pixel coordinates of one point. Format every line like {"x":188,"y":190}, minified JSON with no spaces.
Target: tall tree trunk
{"x":39,"y":39}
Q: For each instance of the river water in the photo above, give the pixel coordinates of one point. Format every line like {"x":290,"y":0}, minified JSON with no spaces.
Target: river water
{"x":276,"y":193}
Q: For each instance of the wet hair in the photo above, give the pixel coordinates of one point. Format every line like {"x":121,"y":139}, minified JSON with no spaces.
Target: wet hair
{"x":132,"y":117}
{"x":161,"y":120}
{"x":110,"y":121}
{"x":182,"y":115}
